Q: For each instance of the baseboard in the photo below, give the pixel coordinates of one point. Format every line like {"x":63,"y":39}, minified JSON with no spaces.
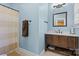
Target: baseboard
{"x":42,"y":52}
{"x":24,"y":52}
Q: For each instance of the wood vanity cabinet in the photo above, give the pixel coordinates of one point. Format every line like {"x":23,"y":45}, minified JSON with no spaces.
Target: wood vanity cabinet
{"x":68,"y":42}
{"x":55,"y":42}
{"x":72,"y":42}
{"x":49,"y":39}
{"x":63,"y":41}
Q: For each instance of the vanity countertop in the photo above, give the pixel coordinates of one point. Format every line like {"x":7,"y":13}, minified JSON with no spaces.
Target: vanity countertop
{"x":64,"y":34}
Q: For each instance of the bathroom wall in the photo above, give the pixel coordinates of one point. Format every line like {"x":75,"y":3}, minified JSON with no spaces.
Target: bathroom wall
{"x":37,"y":13}
{"x":70,"y":17}
{"x":30,"y":43}
{"x":43,"y":16}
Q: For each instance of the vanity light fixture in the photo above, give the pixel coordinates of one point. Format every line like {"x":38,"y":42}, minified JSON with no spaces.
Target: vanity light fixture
{"x":58,"y":5}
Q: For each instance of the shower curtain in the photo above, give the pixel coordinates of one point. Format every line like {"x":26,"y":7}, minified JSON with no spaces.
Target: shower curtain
{"x":9,"y":29}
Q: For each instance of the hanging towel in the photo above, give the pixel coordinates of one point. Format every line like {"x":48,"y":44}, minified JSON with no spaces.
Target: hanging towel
{"x":25,"y":28}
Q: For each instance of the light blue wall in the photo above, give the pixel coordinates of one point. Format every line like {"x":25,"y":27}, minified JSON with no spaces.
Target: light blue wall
{"x":43,"y":16}
{"x":37,"y":13}
{"x":31,"y":42}
{"x":70,"y":17}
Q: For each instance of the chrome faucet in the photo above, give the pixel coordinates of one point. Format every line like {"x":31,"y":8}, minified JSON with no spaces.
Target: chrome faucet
{"x":59,"y":31}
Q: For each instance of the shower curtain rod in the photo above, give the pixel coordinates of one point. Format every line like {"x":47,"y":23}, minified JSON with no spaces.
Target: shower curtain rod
{"x":9,"y":8}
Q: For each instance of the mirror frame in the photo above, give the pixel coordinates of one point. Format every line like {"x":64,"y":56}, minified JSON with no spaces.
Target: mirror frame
{"x":65,"y":18}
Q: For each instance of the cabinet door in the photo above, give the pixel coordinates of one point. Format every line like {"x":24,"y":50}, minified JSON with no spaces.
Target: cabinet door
{"x":72,"y":42}
{"x":55,"y":40}
{"x":49,"y":39}
{"x":63,"y":41}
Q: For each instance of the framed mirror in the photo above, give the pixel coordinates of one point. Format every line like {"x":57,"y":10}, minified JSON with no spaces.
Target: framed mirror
{"x":60,"y":19}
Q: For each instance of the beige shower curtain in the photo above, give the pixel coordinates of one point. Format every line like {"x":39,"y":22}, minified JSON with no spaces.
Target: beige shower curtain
{"x":9,"y":29}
